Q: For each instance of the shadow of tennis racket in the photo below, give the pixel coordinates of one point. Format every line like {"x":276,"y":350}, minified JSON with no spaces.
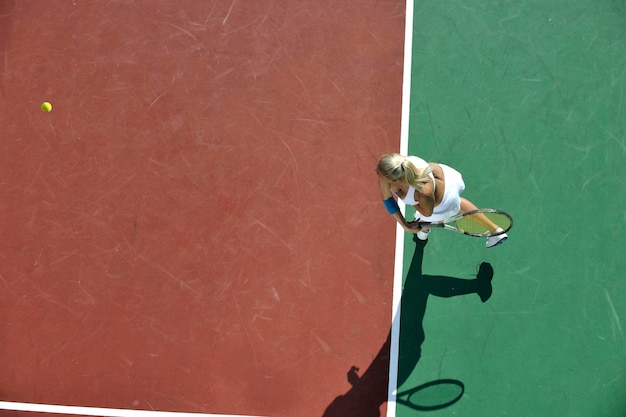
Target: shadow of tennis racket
{"x":433,"y":395}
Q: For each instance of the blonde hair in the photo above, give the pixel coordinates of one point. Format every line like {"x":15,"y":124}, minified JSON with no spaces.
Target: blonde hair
{"x":399,"y":168}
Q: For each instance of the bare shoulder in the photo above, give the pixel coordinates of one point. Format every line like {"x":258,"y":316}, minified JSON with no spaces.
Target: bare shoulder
{"x":440,"y":180}
{"x":428,"y":189}
{"x":437,"y":170}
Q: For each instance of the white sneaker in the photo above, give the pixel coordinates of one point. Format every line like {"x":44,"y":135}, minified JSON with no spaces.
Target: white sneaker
{"x":422,"y":235}
{"x":496,"y":240}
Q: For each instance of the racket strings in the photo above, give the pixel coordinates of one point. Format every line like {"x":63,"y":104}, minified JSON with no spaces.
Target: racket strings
{"x":484,"y":224}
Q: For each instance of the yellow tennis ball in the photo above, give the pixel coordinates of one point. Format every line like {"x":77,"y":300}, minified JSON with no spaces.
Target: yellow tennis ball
{"x":46,"y":107}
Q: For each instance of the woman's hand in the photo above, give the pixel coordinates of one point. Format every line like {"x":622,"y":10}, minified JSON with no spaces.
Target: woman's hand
{"x":413,"y":227}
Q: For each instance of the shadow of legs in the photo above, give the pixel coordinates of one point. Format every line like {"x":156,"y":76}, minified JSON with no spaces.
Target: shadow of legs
{"x":369,"y":392}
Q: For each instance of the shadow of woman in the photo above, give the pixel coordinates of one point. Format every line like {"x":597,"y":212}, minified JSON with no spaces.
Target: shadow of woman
{"x":370,"y":390}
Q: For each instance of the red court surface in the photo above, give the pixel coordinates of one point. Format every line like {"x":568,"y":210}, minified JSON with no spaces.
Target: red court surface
{"x":196,"y":225}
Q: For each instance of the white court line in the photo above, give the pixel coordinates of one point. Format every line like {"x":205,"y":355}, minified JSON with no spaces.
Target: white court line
{"x":100,"y":412}
{"x":399,"y":256}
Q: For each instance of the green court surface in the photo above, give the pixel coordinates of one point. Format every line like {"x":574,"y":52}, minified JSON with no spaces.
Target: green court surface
{"x":526,"y":99}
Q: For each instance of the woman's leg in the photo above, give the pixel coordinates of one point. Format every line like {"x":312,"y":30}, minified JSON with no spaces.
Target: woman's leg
{"x":467,"y":205}
{"x":481,"y":219}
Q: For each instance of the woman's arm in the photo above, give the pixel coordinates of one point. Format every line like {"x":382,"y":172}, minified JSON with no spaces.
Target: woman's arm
{"x":426,"y":200}
{"x":386,"y":194}
{"x":385,"y":189}
{"x":412,"y":227}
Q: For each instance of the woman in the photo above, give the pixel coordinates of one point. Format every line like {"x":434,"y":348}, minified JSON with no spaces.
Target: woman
{"x":433,"y":189}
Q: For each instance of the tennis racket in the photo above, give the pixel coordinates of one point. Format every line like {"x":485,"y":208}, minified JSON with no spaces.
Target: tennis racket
{"x":479,"y":223}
